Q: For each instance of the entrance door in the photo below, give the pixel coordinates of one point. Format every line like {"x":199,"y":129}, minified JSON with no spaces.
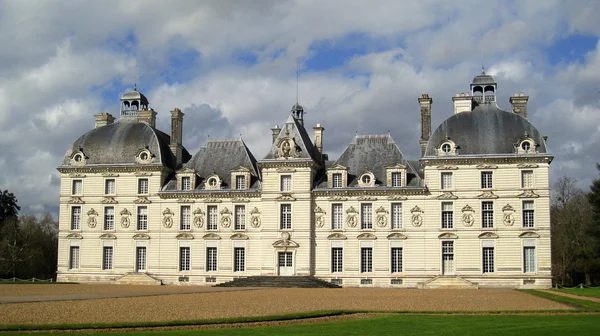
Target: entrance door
{"x":447,"y":258}
{"x":285,"y":263}
{"x":140,"y":263}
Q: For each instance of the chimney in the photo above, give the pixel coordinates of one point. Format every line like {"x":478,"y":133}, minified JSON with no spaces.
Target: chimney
{"x":463,"y":102}
{"x":519,"y":104}
{"x":425,"y":103}
{"x":103,"y":119}
{"x":148,"y":116}
{"x":319,"y":137}
{"x":275,"y":131}
{"x":176,"y":134}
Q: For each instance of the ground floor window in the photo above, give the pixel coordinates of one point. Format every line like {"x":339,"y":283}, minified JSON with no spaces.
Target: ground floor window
{"x":74,"y":257}
{"x":211,"y":259}
{"x":337,"y":255}
{"x":141,"y":258}
{"x":366,"y":259}
{"x":529,"y":259}
{"x":488,"y":260}
{"x":396,"y":258}
{"x":239,"y":259}
{"x":184,"y":258}
{"x":107,"y":258}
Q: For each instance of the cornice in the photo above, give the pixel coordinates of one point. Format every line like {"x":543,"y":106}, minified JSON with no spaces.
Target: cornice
{"x":238,"y":196}
{"x":483,"y":160}
{"x":111,"y":169}
{"x":369,"y":192}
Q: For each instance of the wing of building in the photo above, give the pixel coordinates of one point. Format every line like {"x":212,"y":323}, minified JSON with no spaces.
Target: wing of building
{"x":472,"y":211}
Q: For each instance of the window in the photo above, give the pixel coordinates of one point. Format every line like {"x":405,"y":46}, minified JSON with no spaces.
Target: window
{"x":107,"y":257}
{"x":211,"y":210}
{"x":239,"y":259}
{"x":526,"y":146}
{"x":109,"y":218}
{"x":486,"y":180}
{"x":109,"y":187}
{"x":396,"y":259}
{"x":528,"y":214}
{"x":366,"y":259}
{"x":487,"y":214}
{"x":240,"y":182}
{"x":186,"y":183}
{"x":185,"y":222}
{"x":396,"y":216}
{"x":337,"y":221}
{"x":240,"y":217}
{"x":142,"y":218}
{"x":446,"y":148}
{"x":286,"y":183}
{"x":337,"y":256}
{"x":74,"y":257}
{"x":527,"y":179}
{"x":336,"y":180}
{"x":529,"y":259}
{"x":366,"y":179}
{"x":77,"y":187}
{"x":143,"y":186}
{"x":75,"y":218}
{"x":396,"y":179}
{"x":446,"y":180}
{"x":447,"y":215}
{"x":184,"y":258}
{"x":366,"y":216}
{"x":211,"y":259}
{"x":286,"y":217}
{"x":488,"y":259}
{"x":140,"y":252}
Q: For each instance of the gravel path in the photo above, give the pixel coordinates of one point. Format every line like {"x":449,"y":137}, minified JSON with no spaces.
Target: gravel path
{"x":57,"y":289}
{"x":574,"y":296}
{"x":261,"y":302}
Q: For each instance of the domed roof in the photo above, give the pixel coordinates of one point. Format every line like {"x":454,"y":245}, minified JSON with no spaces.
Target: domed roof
{"x":483,"y":78}
{"x":135,"y":95}
{"x":485,"y":130}
{"x":297,"y":107}
{"x":121,"y":142}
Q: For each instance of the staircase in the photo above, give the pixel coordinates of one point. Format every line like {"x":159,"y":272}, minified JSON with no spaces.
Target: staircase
{"x":279,"y":281}
{"x":445,"y":281}
{"x":134,"y":278}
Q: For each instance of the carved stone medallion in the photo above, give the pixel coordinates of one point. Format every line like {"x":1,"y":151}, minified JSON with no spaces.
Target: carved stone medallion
{"x":351,"y":220}
{"x":167,"y":218}
{"x":92,"y":214}
{"x":319,"y":221}
{"x":416,"y":220}
{"x":382,"y":220}
{"x":125,"y":222}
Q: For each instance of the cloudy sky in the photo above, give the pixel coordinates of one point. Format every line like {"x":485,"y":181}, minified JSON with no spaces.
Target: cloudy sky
{"x":231,"y":67}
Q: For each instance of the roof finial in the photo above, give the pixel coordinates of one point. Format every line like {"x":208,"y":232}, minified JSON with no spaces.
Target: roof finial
{"x":137,"y":74}
{"x":297,"y":70}
{"x":481,"y":51}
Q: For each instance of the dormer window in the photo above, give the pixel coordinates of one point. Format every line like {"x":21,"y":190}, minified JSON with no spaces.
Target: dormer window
{"x":78,"y":159}
{"x":337,"y":176}
{"x":240,"y":182}
{"x":336,"y":180}
{"x":144,"y":156}
{"x":240,"y":178}
{"x":366,"y":180}
{"x":396,"y":175}
{"x":186,"y":179}
{"x":186,"y":183}
{"x":448,"y":147}
{"x":213,"y":182}
{"x":396,"y":179}
{"x":526,"y":146}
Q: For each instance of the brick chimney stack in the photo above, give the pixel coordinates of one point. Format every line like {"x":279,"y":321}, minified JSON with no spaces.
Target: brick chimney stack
{"x":425,"y":103}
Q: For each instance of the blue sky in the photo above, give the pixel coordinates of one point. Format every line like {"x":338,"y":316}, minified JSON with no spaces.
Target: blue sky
{"x":231,"y":66}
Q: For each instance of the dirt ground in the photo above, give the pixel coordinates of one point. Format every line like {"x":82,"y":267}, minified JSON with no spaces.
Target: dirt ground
{"x":257,"y":302}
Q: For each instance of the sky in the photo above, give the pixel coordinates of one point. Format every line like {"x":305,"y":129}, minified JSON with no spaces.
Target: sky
{"x":230,"y":66}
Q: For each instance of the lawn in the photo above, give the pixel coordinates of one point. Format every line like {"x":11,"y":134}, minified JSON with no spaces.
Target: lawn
{"x":593,"y":292}
{"x":417,"y":325}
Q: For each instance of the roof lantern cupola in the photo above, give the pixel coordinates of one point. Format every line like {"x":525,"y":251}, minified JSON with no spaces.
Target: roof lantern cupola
{"x":298,"y":113}
{"x":132,"y":102}
{"x":483,"y":88}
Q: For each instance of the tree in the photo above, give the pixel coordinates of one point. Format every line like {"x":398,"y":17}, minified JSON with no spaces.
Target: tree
{"x":8,"y":207}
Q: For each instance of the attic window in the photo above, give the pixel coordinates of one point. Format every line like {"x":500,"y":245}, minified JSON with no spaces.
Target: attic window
{"x":526,"y":146}
{"x":144,"y":156}
{"x":213,"y":183}
{"x":78,"y":157}
{"x":366,"y":180}
{"x":446,"y":148}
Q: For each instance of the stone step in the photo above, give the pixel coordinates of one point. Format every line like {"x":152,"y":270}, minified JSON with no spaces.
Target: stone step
{"x":279,"y":281}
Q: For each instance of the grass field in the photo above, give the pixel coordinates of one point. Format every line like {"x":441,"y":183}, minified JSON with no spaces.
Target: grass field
{"x":415,"y":325}
{"x":593,"y":292}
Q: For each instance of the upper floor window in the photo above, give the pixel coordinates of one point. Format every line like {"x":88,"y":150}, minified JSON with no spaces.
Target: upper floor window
{"x":286,"y":183}
{"x":142,"y":218}
{"x":186,"y":214}
{"x":487,"y":214}
{"x":396,"y":179}
{"x":240,"y":182}
{"x":184,"y":258}
{"x":336,"y":180}
{"x":109,"y":187}
{"x":447,"y":215}
{"x":211,"y":216}
{"x":446,"y":182}
{"x":396,"y":216}
{"x":528,"y":212}
{"x":366,"y":216}
{"x":77,"y":187}
{"x":486,"y":180}
{"x":527,"y":179}
{"x":143,"y":186}
{"x":337,"y":221}
{"x":240,"y":217}
{"x":109,"y":218}
{"x":186,"y":183}
{"x":286,"y":217}
{"x":75,"y":218}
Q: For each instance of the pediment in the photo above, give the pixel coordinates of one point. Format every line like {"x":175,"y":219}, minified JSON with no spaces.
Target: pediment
{"x":212,"y":200}
{"x":529,"y":234}
{"x":186,"y":170}
{"x":447,"y":167}
{"x":338,"y":198}
{"x":447,"y":195}
{"x":508,"y":207}
{"x":255,"y":211}
{"x":487,"y":166}
{"x":366,"y":236}
{"x":240,"y":200}
{"x":415,"y":209}
{"x":110,"y":175}
{"x":367,"y":198}
{"x":488,"y":235}
{"x":92,"y":212}
{"x":107,"y":236}
{"x":141,"y":236}
{"x":285,"y":170}
{"x":142,"y":200}
{"x":337,"y":236}
{"x":448,"y":235}
{"x":76,"y":175}
{"x":142,"y":173}
{"x":285,"y":243}
{"x":185,"y":200}
{"x":397,"y":198}
{"x":381,"y":209}
{"x":528,"y":194}
{"x":285,"y":197}
{"x":74,"y":236}
{"x":75,"y":200}
{"x":351,"y":210}
{"x":240,"y":169}
{"x":125,"y":212}
{"x":467,"y":208}
{"x":527,"y":165}
{"x":337,"y":167}
{"x":396,"y":236}
{"x":167,"y":212}
{"x":226,"y":211}
{"x":318,"y":210}
{"x":239,"y":236}
{"x":396,"y":166}
{"x":211,"y":236}
{"x":109,"y":200}
{"x":487,"y":194}
{"x":185,"y":236}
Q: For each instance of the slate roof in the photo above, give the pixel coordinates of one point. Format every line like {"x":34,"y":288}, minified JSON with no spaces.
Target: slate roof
{"x":295,"y":130}
{"x":484,"y":131}
{"x":221,"y":157}
{"x":120,"y":142}
{"x":374,"y":153}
